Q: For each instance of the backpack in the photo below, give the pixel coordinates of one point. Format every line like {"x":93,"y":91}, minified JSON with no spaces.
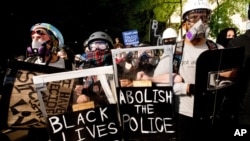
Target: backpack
{"x":178,"y":51}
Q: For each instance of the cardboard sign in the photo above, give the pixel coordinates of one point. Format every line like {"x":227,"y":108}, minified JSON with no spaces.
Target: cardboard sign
{"x":130,"y":37}
{"x":93,"y":124}
{"x":24,"y":108}
{"x":57,"y":96}
{"x":147,"y":113}
{"x":21,"y":108}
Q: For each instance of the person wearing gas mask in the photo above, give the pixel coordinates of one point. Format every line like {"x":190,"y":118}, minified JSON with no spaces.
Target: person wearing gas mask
{"x":47,"y":48}
{"x":47,"y":42}
{"x":99,"y":54}
{"x":196,"y":15}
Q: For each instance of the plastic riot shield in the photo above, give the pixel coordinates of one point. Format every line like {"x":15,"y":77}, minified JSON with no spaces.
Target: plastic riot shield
{"x":217,"y":77}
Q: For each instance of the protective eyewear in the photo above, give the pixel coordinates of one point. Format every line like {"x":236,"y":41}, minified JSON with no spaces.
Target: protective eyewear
{"x":101,"y":45}
{"x":195,"y":15}
{"x":39,"y":32}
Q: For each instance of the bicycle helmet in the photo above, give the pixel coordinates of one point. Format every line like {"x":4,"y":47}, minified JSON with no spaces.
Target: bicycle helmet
{"x":99,"y":35}
{"x":52,"y":30}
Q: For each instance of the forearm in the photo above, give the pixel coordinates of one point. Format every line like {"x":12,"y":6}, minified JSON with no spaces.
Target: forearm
{"x":164,"y":78}
{"x":182,"y":88}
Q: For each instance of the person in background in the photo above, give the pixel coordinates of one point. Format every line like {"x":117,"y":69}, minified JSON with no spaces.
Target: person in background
{"x":80,"y":59}
{"x":169,"y":36}
{"x":118,"y":44}
{"x":243,"y":40}
{"x":225,"y":36}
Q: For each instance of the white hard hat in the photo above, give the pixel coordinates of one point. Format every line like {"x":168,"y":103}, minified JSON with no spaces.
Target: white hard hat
{"x":195,"y":4}
{"x":169,"y":33}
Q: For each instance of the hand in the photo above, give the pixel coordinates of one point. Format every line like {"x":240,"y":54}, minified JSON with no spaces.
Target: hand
{"x":126,"y":83}
{"x":78,"y":89}
{"x":82,"y":99}
{"x":177,"y":78}
{"x":141,"y":75}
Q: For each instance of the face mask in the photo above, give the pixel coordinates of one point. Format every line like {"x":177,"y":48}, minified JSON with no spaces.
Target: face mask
{"x":36,"y":44}
{"x":226,"y":41}
{"x":170,"y":43}
{"x":99,"y":58}
{"x":198,"y":30}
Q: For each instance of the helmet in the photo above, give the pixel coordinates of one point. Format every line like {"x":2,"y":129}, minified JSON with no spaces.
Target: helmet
{"x":85,"y":43}
{"x":56,"y":33}
{"x":169,"y":33}
{"x":99,"y":35}
{"x":195,"y":4}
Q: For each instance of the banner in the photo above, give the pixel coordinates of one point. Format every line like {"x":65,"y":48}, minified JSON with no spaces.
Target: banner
{"x":130,"y":37}
{"x":94,"y":119}
{"x":144,"y":92}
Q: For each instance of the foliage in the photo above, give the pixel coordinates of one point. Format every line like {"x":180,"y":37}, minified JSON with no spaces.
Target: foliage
{"x":161,"y":10}
{"x":138,"y":14}
{"x":221,"y":16}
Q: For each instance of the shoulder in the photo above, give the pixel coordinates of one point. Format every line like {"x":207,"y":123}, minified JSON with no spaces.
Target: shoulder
{"x":220,"y":46}
{"x":213,"y":45}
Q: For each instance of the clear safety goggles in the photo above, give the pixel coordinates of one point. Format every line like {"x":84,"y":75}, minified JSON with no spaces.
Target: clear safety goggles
{"x":39,"y":32}
{"x":195,"y":15}
{"x":101,"y":45}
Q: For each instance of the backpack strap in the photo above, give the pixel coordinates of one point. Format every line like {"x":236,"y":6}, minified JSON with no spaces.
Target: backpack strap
{"x":178,"y":52}
{"x":211,"y":44}
{"x":177,"y":56}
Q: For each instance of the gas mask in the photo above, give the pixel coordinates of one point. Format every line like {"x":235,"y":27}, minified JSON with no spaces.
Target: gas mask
{"x":36,"y":44}
{"x":38,"y":49}
{"x":198,"y":30}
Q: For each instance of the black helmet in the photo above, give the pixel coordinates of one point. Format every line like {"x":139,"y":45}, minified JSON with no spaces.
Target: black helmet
{"x":99,"y":35}
{"x":85,"y":43}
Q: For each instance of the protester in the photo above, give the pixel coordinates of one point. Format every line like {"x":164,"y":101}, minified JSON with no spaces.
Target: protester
{"x":118,"y":44}
{"x":99,"y":54}
{"x":80,"y":59}
{"x":243,"y":40}
{"x":47,"y":41}
{"x":47,"y":48}
{"x":195,"y":16}
{"x":225,"y":36}
{"x":169,"y":36}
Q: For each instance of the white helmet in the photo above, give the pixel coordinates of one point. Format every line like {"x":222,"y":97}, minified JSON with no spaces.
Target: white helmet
{"x":169,"y":33}
{"x":52,"y":29}
{"x":195,"y":4}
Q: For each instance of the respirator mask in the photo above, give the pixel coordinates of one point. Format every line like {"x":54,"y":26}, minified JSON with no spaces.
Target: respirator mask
{"x":198,"y":30}
{"x":38,"y":48}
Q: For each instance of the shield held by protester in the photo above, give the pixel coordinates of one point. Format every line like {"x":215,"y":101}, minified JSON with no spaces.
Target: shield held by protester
{"x":21,"y":106}
{"x":217,"y":78}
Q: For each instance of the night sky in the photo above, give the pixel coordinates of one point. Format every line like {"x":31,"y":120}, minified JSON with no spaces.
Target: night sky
{"x":76,"y":21}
